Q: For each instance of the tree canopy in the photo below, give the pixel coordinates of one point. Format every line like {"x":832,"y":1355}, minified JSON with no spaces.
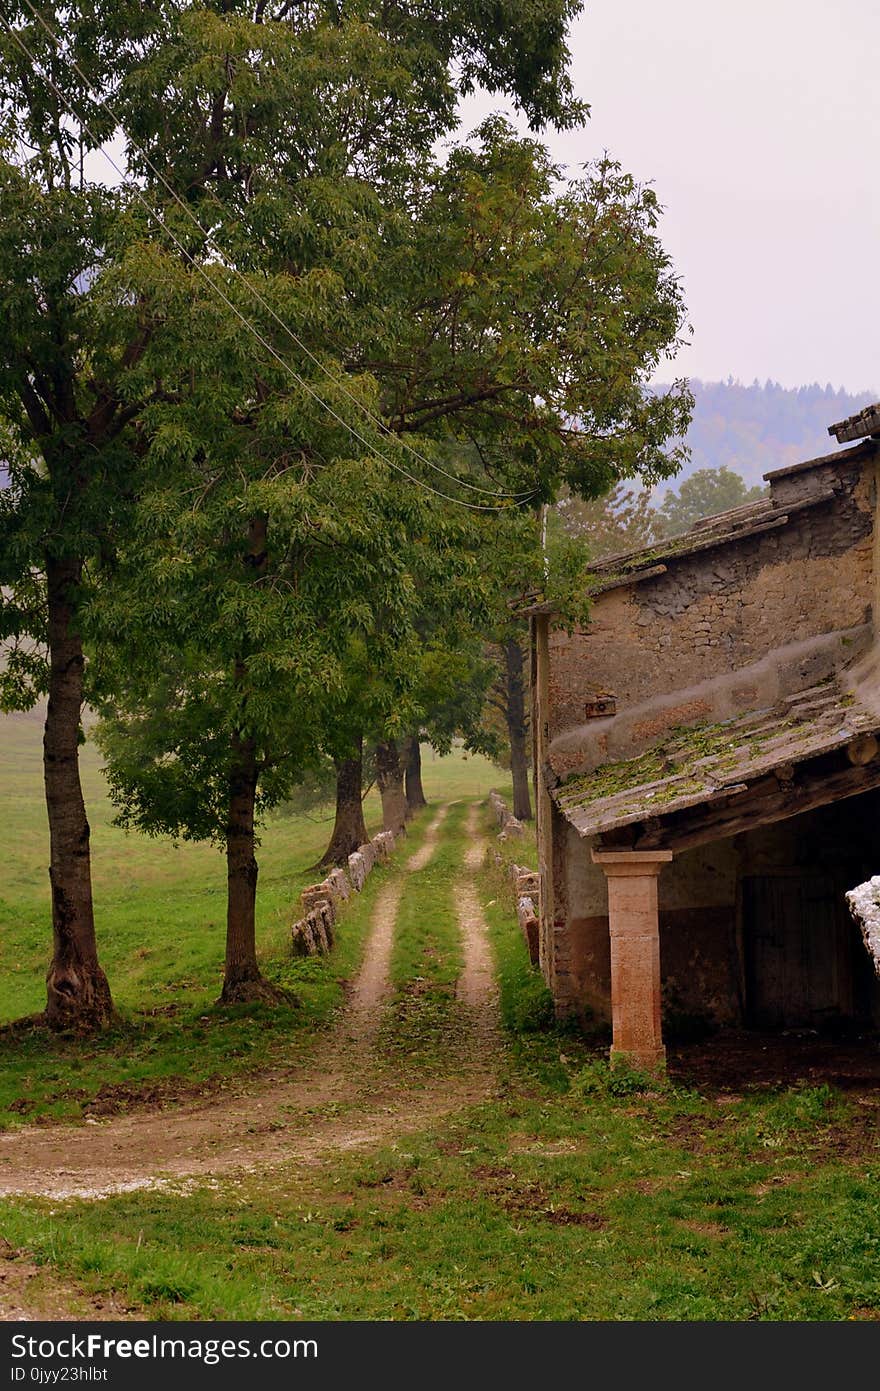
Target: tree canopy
{"x":272,"y":396}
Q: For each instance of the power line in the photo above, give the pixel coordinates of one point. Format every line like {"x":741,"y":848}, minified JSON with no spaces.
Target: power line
{"x":261,"y":299}
{"x":306,"y":386}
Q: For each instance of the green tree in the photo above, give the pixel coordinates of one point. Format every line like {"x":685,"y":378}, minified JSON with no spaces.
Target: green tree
{"x":70,"y":425}
{"x":624,"y":519}
{"x":234,"y":104}
{"x":705,"y":493}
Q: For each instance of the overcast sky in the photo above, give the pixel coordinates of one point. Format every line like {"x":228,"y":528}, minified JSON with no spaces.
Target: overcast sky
{"x":758,"y":124}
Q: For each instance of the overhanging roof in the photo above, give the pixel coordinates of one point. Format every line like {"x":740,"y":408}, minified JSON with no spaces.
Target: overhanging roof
{"x":812,"y":748}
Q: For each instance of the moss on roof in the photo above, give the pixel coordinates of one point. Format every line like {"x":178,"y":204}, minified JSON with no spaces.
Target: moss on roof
{"x":672,"y":762}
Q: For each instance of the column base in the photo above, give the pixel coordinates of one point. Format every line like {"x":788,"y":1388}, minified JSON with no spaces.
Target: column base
{"x":645,"y":1060}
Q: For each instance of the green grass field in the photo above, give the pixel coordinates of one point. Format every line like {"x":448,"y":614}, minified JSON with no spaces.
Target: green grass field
{"x":160,"y":913}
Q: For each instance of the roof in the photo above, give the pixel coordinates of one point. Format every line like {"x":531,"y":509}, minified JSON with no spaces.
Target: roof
{"x":709,"y":763}
{"x":739,"y":523}
{"x":856,"y":427}
{"x":752,"y":519}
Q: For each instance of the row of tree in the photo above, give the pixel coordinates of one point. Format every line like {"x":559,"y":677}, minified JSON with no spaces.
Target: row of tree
{"x":282,"y":405}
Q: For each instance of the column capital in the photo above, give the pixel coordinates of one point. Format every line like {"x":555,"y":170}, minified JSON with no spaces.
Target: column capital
{"x":631,"y":862}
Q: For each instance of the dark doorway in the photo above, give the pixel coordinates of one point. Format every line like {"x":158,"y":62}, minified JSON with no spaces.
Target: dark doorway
{"x":798,"y":948}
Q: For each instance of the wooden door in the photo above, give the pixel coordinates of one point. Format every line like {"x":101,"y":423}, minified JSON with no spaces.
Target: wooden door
{"x":797,"y":950}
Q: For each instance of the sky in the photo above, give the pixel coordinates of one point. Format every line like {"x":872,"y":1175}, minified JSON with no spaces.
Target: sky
{"x":757,"y":124}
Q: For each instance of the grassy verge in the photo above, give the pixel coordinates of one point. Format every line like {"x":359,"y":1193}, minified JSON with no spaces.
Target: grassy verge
{"x":590,"y":1200}
{"x":427,"y":959}
{"x":185,"y":1047}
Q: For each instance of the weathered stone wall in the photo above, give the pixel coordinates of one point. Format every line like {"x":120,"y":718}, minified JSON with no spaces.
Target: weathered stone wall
{"x":702,"y":641}
{"x":508,"y":824}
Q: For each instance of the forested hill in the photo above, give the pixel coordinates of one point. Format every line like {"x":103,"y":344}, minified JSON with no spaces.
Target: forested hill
{"x":753,"y":429}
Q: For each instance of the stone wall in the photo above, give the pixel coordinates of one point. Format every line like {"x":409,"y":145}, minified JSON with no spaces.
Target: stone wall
{"x":508,"y":825}
{"x":313,"y":933}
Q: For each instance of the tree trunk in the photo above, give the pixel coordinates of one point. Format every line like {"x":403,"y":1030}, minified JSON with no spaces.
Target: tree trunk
{"x":389,"y":775}
{"x":349,"y":830}
{"x":516,"y":730}
{"x":242,"y":981}
{"x":412,"y":759}
{"x":77,"y":993}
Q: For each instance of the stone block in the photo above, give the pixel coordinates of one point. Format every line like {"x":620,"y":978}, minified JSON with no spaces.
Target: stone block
{"x":316,"y":895}
{"x":526,"y":883}
{"x":300,"y":943}
{"x":513,"y":829}
{"x":357,"y":870}
{"x":529,"y":926}
{"x":368,"y":851}
{"x":327,"y":917}
{"x":316,"y":931}
{"x":341,"y":884}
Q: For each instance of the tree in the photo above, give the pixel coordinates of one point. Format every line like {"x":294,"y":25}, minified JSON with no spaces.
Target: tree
{"x":227,"y":102}
{"x":702,"y":495}
{"x":622,"y":520}
{"x":527,"y":314}
{"x":248,"y":649}
{"x":73,"y":447}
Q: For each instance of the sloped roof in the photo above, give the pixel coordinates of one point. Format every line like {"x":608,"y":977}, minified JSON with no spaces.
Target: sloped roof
{"x":708,"y":763}
{"x":752,"y":519}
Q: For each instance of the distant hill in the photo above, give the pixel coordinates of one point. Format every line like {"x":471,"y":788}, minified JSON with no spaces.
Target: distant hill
{"x":753,"y":429}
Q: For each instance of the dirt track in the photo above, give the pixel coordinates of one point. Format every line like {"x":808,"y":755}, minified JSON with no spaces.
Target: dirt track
{"x":347,"y":1099}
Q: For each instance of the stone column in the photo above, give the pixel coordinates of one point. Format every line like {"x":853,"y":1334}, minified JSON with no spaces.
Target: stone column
{"x":634,"y":925}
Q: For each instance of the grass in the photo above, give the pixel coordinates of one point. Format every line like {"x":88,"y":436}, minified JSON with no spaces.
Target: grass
{"x":428,"y":945}
{"x":160,"y":911}
{"x":568,"y":1199}
{"x":576,"y":1193}
{"x":427,"y":958}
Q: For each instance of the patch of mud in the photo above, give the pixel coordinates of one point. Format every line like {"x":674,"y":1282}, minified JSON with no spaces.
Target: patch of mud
{"x":736,"y":1060}
{"x":522,"y":1198}
{"x":710,"y":1229}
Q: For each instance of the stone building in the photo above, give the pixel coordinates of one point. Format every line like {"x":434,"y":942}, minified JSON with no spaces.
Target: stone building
{"x":708,"y":756}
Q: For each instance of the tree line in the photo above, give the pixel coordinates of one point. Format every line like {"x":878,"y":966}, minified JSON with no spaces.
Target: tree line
{"x":752,"y":429}
{"x":283,"y":397}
